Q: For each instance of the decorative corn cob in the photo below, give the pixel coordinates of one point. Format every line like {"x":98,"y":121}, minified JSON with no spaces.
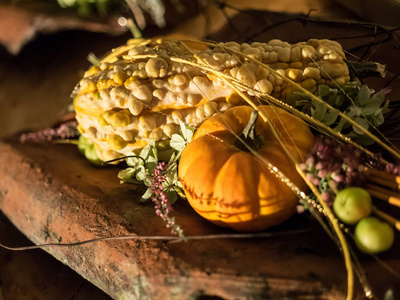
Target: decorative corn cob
{"x":141,"y":90}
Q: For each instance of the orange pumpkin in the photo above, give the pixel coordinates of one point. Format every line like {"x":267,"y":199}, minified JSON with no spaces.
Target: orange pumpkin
{"x":228,"y":185}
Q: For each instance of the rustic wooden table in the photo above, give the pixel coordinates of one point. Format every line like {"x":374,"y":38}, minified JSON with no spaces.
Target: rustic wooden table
{"x":52,"y":194}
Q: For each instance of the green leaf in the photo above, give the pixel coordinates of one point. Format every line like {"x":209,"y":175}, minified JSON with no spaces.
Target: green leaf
{"x":319,"y":111}
{"x":363,"y":123}
{"x":332,"y":99}
{"x":183,"y":129}
{"x":141,"y":173}
{"x":363,"y":95}
{"x":364,"y":140}
{"x":127,"y":176}
{"x":189,"y":134}
{"x":172,"y":196}
{"x":330,"y":117}
{"x":370,"y":108}
{"x":378,"y":120}
{"x":133,"y":161}
{"x":340,"y":100}
{"x":177,"y":142}
{"x":147,"y":195}
{"x":323,"y":90}
{"x":378,"y":97}
{"x":385,"y":107}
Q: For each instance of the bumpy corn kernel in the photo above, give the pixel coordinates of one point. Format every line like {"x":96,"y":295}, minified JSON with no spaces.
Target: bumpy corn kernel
{"x":134,"y":106}
{"x":210,"y":108}
{"x":116,"y":142}
{"x":142,"y":93}
{"x":264,"y":86}
{"x":119,"y":119}
{"x":170,"y":129}
{"x":156,"y":67}
{"x":147,"y":123}
{"x":309,"y":84}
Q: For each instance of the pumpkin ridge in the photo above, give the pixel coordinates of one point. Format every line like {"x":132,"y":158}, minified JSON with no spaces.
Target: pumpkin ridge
{"x":190,"y":192}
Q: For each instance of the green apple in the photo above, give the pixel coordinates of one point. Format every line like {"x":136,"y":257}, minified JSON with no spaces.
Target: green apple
{"x":352,"y":204}
{"x":373,"y":235}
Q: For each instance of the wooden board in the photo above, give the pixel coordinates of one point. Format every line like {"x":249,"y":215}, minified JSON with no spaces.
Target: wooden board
{"x":53,"y":195}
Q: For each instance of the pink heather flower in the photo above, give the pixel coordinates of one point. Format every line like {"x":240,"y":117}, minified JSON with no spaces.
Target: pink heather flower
{"x":326,"y":196}
{"x":333,"y":166}
{"x":162,"y":206}
{"x":64,"y":131}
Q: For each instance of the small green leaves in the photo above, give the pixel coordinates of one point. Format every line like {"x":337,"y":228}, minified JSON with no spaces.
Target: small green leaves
{"x":180,"y":141}
{"x":141,"y":167}
{"x":359,"y":103}
{"x":363,"y":95}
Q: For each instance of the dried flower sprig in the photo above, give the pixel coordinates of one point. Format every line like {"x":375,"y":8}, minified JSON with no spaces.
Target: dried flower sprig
{"x":161,"y":178}
{"x":159,"y":197}
{"x":332,"y":166}
{"x":63,"y":131}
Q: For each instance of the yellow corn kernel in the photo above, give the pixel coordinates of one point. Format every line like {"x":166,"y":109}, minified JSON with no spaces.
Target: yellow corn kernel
{"x":293,"y":73}
{"x":102,"y":84}
{"x":119,"y":119}
{"x":309,"y":84}
{"x":116,"y":142}
{"x":89,"y":87}
{"x":102,"y":119}
{"x":119,"y":78}
{"x":93,"y":70}
{"x":296,"y":65}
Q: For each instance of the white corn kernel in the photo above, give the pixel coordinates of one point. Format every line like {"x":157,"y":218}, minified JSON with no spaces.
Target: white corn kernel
{"x":312,"y":72}
{"x":273,"y":57}
{"x":210,"y":108}
{"x":126,"y":135}
{"x":142,"y":93}
{"x":340,"y":80}
{"x":308,"y":52}
{"x":284,"y":54}
{"x":146,"y":123}
{"x":177,"y":116}
{"x":200,"y":113}
{"x":134,"y":106}
{"x":179,"y":79}
{"x":156,"y":134}
{"x":253,"y":53}
{"x":309,"y":83}
{"x":264,"y":86}
{"x":169,"y":129}
{"x":246,"y":73}
{"x":275,"y":42}
{"x":158,"y":94}
{"x":295,"y":54}
{"x":193,"y":99}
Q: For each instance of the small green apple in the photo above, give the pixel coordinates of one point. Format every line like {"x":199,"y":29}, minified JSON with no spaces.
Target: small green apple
{"x":352,"y":204}
{"x":373,"y":235}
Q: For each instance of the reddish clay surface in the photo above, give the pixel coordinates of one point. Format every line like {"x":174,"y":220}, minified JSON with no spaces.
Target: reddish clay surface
{"x":53,"y":195}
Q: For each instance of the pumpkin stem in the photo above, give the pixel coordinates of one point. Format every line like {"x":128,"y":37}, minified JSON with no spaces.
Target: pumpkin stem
{"x":249,"y":135}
